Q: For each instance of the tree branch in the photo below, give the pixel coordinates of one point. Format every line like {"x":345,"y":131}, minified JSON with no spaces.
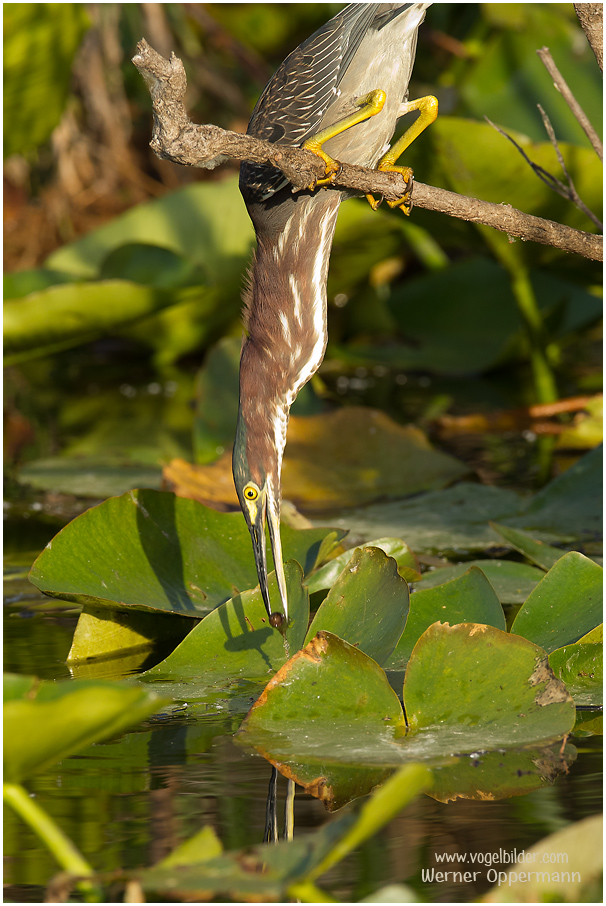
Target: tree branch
{"x":590,"y":16}
{"x":176,"y":138}
{"x":562,"y":86}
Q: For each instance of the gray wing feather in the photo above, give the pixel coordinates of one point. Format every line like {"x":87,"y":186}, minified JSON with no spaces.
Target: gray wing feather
{"x":293,"y":104}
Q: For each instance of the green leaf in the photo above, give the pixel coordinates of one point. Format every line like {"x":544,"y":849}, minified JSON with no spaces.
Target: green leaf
{"x":570,"y":506}
{"x":492,"y":688}
{"x":40,"y":41}
{"x":564,"y":606}
{"x":367,"y":606}
{"x":385,"y":804}
{"x":540,"y":553}
{"x":152,"y":551}
{"x":580,"y":667}
{"x":202,"y":847}
{"x":89,"y":476}
{"x":355,"y":455}
{"x":327,"y":575}
{"x":53,"y":720}
{"x":235,"y":642}
{"x":492,"y":692}
{"x":105,"y":633}
{"x":149,"y":265}
{"x":287,"y":870}
{"x":454,"y":519}
{"x":511,"y":581}
{"x":72,"y":313}
{"x":330,"y":680}
{"x":469,"y":598}
{"x":463,"y":334}
{"x":205,"y":223}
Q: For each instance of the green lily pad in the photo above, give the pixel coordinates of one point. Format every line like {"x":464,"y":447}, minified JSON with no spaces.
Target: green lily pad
{"x":89,"y":476}
{"x":152,"y":551}
{"x":469,"y":598}
{"x":564,"y":606}
{"x":493,"y":691}
{"x":48,"y":721}
{"x":492,"y":688}
{"x":544,"y":555}
{"x":596,"y":635}
{"x":570,"y":506}
{"x":367,"y":605}
{"x":327,"y":575}
{"x":581,"y":669}
{"x":235,"y":641}
{"x":103,"y":633}
{"x":511,"y":581}
{"x":455,"y":519}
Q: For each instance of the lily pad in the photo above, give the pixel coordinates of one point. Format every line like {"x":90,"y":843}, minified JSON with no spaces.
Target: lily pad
{"x":151,"y":551}
{"x":235,"y":641}
{"x":544,"y":555}
{"x":367,"y":605}
{"x":50,"y":720}
{"x":570,"y":506}
{"x":102,"y":633}
{"x":511,"y":581}
{"x":581,"y":669}
{"x":89,"y":476}
{"x":468,"y":598}
{"x":493,"y":690}
{"x":327,"y":575}
{"x":451,"y":520}
{"x":564,"y":606}
{"x":355,"y":455}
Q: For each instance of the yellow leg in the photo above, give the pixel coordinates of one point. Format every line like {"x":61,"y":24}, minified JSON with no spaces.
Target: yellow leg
{"x":428,"y":107}
{"x":369,"y":106}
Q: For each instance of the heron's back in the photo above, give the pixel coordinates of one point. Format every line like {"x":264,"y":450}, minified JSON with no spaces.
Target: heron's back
{"x":364,"y":47}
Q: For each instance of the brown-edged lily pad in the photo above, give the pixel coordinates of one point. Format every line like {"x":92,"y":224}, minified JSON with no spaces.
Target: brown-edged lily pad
{"x":468,"y":688}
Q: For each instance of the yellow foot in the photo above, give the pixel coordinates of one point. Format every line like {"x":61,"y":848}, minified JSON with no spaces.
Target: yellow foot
{"x":332,"y":166}
{"x":428,"y":111}
{"x":370,"y":105}
{"x":405,"y":202}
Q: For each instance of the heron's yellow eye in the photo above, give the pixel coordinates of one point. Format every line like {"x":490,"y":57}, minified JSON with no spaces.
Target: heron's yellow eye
{"x":250,"y":492}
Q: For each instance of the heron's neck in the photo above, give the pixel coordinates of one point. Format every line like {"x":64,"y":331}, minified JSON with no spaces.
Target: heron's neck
{"x":285,"y":321}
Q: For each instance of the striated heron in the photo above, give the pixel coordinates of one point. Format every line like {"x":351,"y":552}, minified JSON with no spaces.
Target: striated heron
{"x":339,"y":94}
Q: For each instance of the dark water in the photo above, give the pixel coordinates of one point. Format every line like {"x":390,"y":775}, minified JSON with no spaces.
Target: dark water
{"x":127,"y":802}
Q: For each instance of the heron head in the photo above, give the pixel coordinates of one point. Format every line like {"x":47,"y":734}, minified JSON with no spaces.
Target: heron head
{"x":256,"y":473}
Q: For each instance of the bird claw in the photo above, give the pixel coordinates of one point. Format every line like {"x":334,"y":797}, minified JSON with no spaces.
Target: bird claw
{"x":373,"y":202}
{"x":405,"y":201}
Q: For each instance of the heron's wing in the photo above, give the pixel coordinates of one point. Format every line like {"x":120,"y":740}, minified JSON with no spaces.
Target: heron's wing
{"x":294,"y":102}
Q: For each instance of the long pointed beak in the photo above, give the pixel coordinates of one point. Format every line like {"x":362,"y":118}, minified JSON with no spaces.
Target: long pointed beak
{"x":257,"y":531}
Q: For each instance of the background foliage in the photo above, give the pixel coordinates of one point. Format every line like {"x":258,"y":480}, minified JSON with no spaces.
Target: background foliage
{"x":124,"y":270}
